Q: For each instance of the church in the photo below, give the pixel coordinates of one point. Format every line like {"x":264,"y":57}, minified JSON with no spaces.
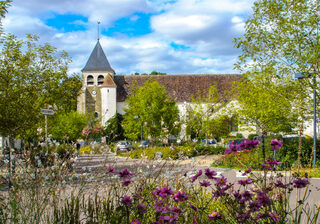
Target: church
{"x":104,"y":93}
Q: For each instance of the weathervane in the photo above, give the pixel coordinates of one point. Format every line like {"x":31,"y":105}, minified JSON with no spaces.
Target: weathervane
{"x":98,"y":30}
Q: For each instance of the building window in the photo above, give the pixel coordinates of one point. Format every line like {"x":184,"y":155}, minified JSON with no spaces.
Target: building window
{"x":100,"y":80}
{"x":90,"y":80}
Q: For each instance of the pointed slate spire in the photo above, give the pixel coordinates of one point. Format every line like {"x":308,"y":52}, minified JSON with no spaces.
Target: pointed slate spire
{"x":98,"y":61}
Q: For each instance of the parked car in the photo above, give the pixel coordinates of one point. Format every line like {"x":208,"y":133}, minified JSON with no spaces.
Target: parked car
{"x":236,"y":141}
{"x":144,"y":144}
{"x":123,"y":146}
{"x":211,"y":142}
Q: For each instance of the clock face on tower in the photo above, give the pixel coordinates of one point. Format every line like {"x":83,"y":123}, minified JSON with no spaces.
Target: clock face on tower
{"x":94,"y":92}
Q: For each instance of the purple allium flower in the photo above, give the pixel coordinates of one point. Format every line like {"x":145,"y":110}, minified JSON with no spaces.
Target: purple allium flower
{"x":127,"y":201}
{"x":259,"y":216}
{"x":158,"y":206}
{"x":180,"y":197}
{"x":243,"y":216}
{"x":125,"y":173}
{"x":155,"y":193}
{"x":205,"y":183}
{"x":222,"y":181}
{"x":247,"y":171}
{"x":274,"y":162}
{"x":279,"y":184}
{"x":215,"y":216}
{"x":210,"y":173}
{"x":126,"y":182}
{"x":111,"y":169}
{"x":300,"y":183}
{"x":254,"y":206}
{"x":165,"y":192}
{"x":196,"y":176}
{"x":263,"y":198}
{"x":234,"y":148}
{"x":276,"y":144}
{"x":227,"y":151}
{"x":255,"y":143}
{"x":275,"y":216}
{"x":266,"y":167}
{"x":241,"y":146}
{"x":135,"y":222}
{"x":245,"y":182}
{"x":176,"y":210}
{"x":194,"y":220}
{"x":246,"y":196}
{"x":194,"y":208}
{"x":142,"y":208}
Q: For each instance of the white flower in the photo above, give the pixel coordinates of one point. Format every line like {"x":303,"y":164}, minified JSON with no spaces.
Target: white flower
{"x":33,"y":176}
{"x":36,"y":157}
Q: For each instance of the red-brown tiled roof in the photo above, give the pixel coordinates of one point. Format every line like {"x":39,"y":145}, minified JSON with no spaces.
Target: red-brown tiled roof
{"x":180,"y":87}
{"x":108,"y":82}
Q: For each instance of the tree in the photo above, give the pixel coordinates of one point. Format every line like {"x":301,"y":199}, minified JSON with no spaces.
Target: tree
{"x":284,"y":35}
{"x":113,"y":128}
{"x":151,"y":106}
{"x":266,"y":103}
{"x":66,"y":93}
{"x":203,"y":112}
{"x":29,"y":74}
{"x":68,"y":124}
{"x":3,"y":10}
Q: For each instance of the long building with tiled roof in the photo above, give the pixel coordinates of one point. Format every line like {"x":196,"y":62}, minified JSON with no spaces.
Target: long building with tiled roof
{"x":105,"y":93}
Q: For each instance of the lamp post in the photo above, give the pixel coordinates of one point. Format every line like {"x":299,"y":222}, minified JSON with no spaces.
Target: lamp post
{"x":137,"y":117}
{"x":301,"y":75}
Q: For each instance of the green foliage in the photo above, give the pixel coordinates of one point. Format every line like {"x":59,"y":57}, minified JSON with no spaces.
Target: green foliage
{"x":265,"y":102}
{"x":151,"y":106}
{"x":167,"y":152}
{"x":288,"y":154}
{"x":30,"y":75}
{"x":113,"y":129}
{"x":68,"y":124}
{"x":3,"y":10}
{"x":283,"y":34}
{"x":202,"y":117}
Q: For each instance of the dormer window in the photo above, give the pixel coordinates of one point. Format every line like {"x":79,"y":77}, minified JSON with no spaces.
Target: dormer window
{"x":90,"y":80}
{"x":100,"y":80}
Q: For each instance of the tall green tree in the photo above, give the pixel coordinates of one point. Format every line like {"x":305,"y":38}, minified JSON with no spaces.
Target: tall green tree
{"x":266,"y":103}
{"x":203,"y":114}
{"x":68,"y":124}
{"x":3,"y":10}
{"x":151,"y":106}
{"x":284,"y":35}
{"x":113,"y":128}
{"x":30,"y":73}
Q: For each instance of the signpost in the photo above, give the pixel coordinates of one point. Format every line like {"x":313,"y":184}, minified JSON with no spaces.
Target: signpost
{"x":46,"y":112}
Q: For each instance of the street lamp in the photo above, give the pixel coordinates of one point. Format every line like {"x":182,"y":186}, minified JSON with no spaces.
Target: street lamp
{"x":301,"y":75}
{"x":137,"y":117}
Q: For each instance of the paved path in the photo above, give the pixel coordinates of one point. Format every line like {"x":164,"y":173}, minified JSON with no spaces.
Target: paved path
{"x":100,"y":163}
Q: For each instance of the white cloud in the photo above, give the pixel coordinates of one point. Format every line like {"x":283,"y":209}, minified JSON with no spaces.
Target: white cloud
{"x":207,"y":27}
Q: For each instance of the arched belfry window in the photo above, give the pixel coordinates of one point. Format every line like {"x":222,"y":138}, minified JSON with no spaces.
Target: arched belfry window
{"x":100,"y":80}
{"x":90,"y":80}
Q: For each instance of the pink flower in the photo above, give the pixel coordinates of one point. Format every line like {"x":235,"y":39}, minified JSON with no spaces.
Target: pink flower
{"x":127,"y":201}
{"x":196,"y":176}
{"x":276,"y":144}
{"x":215,"y":216}
{"x":275,"y":216}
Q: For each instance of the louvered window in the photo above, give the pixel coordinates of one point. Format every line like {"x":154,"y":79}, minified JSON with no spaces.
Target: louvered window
{"x":100,"y":80}
{"x":90,"y":80}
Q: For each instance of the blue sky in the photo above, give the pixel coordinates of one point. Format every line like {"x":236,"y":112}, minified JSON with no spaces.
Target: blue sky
{"x":172,"y":36}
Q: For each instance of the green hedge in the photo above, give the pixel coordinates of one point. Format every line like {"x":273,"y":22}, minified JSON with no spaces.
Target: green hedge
{"x":167,"y":152}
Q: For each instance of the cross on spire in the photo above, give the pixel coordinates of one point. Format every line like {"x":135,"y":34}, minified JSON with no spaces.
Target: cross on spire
{"x":98,"y":30}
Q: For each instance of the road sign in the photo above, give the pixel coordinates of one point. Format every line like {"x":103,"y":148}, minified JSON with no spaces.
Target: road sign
{"x":47,"y":111}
